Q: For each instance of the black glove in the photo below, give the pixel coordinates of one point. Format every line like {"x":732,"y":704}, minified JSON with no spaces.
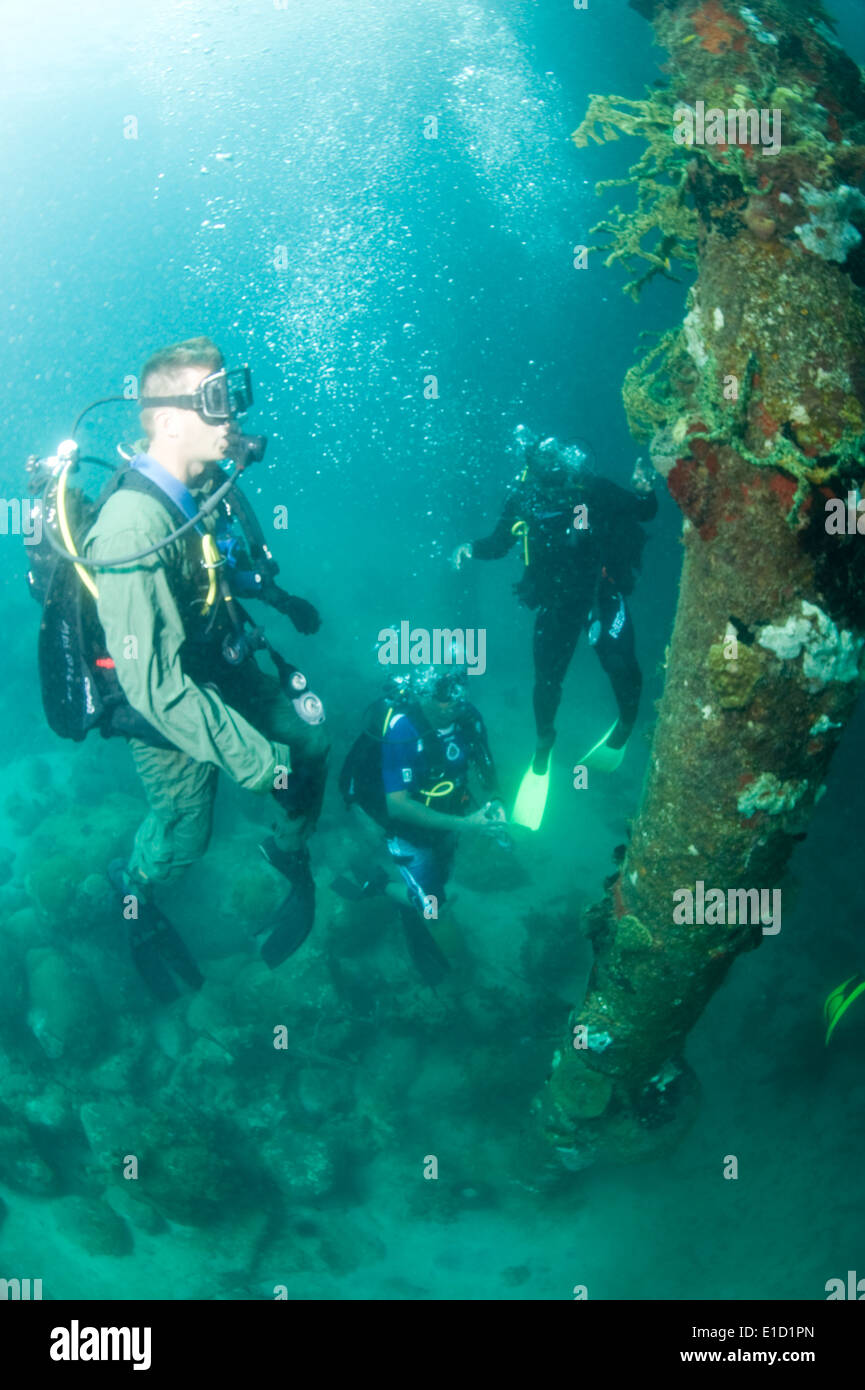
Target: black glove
{"x":301,"y":613}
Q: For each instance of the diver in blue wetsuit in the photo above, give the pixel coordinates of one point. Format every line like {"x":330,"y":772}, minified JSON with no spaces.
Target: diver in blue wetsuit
{"x":408,"y":771}
{"x":580,"y":539}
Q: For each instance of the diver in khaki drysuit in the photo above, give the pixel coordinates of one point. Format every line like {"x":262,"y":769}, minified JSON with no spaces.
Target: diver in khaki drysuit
{"x":196,"y":703}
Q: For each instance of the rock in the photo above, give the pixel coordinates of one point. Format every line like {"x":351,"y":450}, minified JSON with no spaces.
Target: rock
{"x":322,"y":1091}
{"x":27,"y":812}
{"x":16,"y":1088}
{"x":66,"y":857}
{"x":65,"y":1014}
{"x":112,"y":1130}
{"x":356,"y":926}
{"x":92,"y":1224}
{"x":26,"y":927}
{"x":7,"y":861}
{"x":255,"y":895}
{"x":21,"y":1167}
{"x":301,"y":1164}
{"x":299,"y":997}
{"x":50,"y":1108}
{"x":54,"y":883}
{"x":209,"y":1009}
{"x":353,"y":1247}
{"x":115,"y":1073}
{"x":12,"y":985}
{"x":140,"y":1214}
{"x":184,"y":1173}
{"x":490,"y":867}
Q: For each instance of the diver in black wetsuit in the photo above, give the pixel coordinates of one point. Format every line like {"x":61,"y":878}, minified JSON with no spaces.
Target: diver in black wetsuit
{"x":580,"y":538}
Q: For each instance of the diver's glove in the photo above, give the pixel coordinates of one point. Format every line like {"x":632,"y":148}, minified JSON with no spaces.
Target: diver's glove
{"x":305,"y":618}
{"x":461,"y":554}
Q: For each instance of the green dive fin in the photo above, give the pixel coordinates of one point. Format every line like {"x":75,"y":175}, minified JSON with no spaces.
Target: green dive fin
{"x":531,"y":799}
{"x":602,"y":758}
{"x":840,"y":1000}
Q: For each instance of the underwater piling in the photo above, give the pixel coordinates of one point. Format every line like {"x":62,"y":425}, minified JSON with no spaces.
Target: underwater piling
{"x":754,"y":411}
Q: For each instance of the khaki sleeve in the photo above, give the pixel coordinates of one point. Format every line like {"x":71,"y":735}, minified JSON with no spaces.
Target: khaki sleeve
{"x":144,"y":634}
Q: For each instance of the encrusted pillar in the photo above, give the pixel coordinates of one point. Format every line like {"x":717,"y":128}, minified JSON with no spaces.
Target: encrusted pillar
{"x":754,"y":411}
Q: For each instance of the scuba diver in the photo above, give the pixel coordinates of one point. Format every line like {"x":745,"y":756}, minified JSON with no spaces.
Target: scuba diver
{"x":408,"y":773}
{"x":164,"y":650}
{"x":581,"y":541}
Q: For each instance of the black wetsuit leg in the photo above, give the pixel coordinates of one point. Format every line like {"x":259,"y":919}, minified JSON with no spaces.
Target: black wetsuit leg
{"x":557,"y":629}
{"x":617,"y":655}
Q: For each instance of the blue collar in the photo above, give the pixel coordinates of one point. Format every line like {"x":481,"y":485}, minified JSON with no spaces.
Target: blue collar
{"x":167,"y":482}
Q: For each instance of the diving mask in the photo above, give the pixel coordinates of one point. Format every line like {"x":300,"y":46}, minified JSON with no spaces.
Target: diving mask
{"x":222,"y":396}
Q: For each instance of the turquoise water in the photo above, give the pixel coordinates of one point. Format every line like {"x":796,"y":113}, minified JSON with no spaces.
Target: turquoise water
{"x":281,"y":197}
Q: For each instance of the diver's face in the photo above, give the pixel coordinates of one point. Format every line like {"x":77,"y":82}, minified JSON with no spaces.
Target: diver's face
{"x":201,"y":442}
{"x":181,"y":439}
{"x":440,"y":713}
{"x":547,"y":477}
{"x":543,"y":469}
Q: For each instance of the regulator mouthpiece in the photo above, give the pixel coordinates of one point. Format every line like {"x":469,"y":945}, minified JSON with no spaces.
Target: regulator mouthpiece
{"x":246,"y":448}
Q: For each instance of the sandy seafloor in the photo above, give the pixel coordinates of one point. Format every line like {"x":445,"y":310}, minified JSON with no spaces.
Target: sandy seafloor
{"x":789,"y":1109}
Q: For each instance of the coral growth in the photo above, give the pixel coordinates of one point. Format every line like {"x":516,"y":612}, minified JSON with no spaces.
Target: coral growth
{"x":717,"y":29}
{"x":830,"y":231}
{"x":828,"y":653}
{"x":662,"y":227}
{"x":767,"y":793}
{"x":734,"y":679}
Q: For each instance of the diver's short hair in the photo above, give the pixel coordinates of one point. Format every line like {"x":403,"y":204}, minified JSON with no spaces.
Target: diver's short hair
{"x":164,"y":372}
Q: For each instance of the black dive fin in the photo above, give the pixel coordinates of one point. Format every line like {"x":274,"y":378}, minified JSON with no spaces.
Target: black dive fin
{"x":157,"y":950}
{"x":295,"y":918}
{"x":429,"y":959}
{"x":156,"y":947}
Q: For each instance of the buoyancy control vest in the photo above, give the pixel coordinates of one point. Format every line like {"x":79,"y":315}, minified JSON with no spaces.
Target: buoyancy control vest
{"x":570,"y":537}
{"x":80,"y":687}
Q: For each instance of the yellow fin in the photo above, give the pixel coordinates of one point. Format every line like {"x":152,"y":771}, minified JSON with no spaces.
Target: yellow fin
{"x":531,"y":800}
